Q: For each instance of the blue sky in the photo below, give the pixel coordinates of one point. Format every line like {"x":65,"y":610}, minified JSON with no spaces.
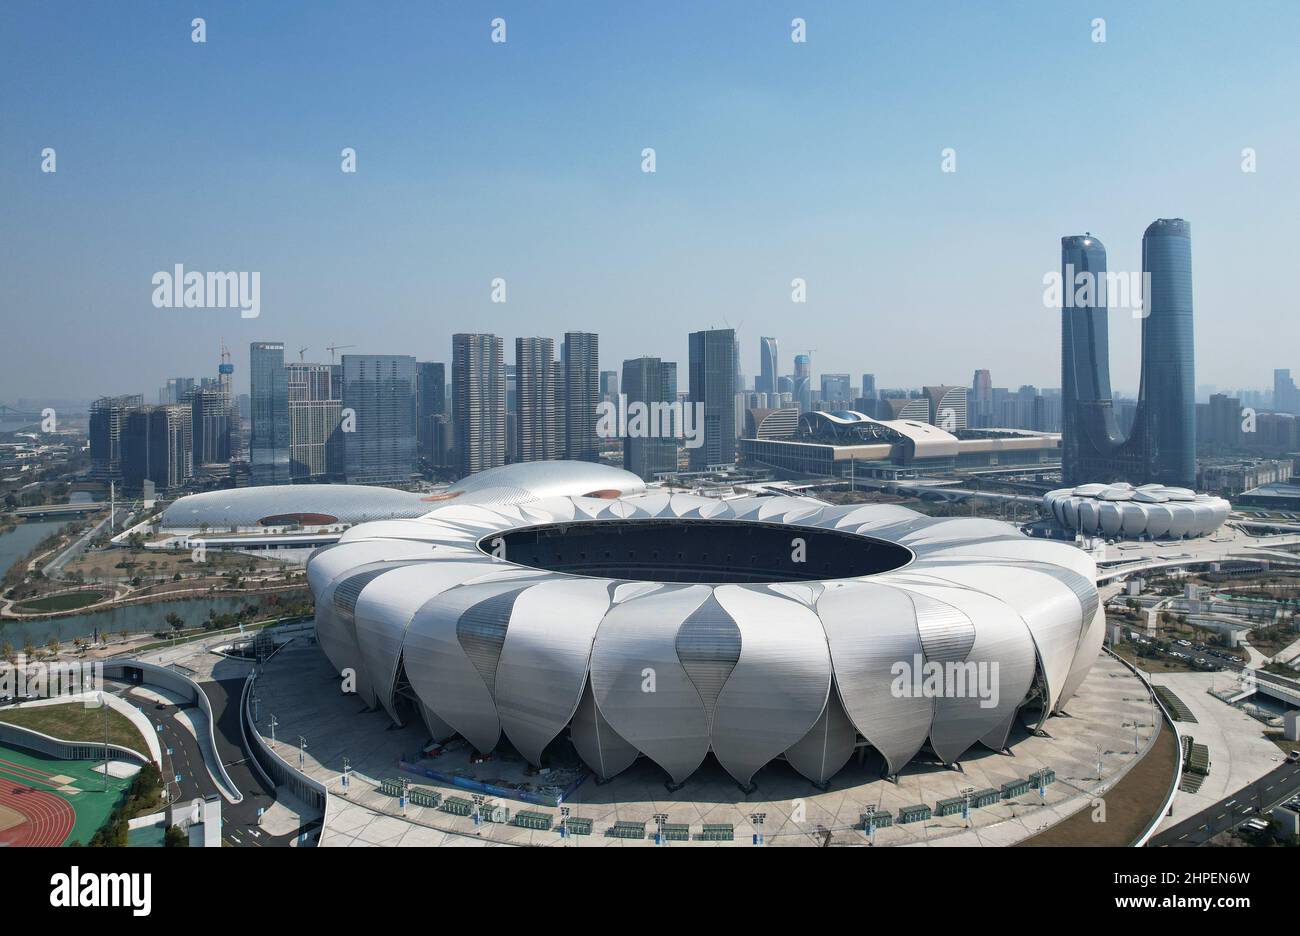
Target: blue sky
{"x":775,"y":160}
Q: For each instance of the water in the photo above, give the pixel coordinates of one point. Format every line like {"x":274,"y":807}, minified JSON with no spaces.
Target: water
{"x":19,"y":541}
{"x":139,"y":618}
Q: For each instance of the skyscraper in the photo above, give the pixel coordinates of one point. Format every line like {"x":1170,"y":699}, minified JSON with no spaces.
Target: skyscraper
{"x":803,"y":382}
{"x":1168,"y":388}
{"x":712,"y":381}
{"x":268,"y":444}
{"x":430,"y":404}
{"x":1162,"y":445}
{"x":534,"y":375}
{"x":478,"y":401}
{"x":379,"y":398}
{"x":768,"y":366}
{"x":107,"y":425}
{"x":315,"y":437}
{"x":649,"y":380}
{"x":582,"y":395}
{"x":210,"y":419}
{"x":157,"y":446}
{"x":981,"y":400}
{"x":1285,"y":398}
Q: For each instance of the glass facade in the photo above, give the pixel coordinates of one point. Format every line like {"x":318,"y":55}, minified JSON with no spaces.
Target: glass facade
{"x":379,"y":392}
{"x":712,"y":381}
{"x":268,"y":445}
{"x":1162,"y":444}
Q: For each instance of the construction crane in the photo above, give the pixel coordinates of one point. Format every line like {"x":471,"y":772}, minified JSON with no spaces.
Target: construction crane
{"x":337,"y":347}
{"x":300,"y":354}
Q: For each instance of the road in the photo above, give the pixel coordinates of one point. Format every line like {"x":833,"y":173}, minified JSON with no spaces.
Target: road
{"x":1258,"y":797}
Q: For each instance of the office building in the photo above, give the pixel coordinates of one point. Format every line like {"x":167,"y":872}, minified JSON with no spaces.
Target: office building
{"x":535,"y":400}
{"x":478,"y":377}
{"x":379,"y":400}
{"x":651,"y":448}
{"x":582,"y":395}
{"x":268,"y":445}
{"x":712,"y":382}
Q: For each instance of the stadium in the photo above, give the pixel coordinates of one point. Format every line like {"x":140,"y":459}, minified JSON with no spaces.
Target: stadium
{"x":1149,"y":511}
{"x":561,"y":602}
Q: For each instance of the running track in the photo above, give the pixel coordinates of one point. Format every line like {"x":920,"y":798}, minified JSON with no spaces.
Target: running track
{"x":49,"y":817}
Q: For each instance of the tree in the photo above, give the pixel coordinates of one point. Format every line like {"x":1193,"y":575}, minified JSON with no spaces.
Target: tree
{"x":175,"y":620}
{"x":7,"y":653}
{"x":54,"y":645}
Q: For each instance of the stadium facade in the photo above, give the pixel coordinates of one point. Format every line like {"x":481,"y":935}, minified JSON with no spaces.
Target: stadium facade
{"x":562,"y":600}
{"x":1151,"y":511}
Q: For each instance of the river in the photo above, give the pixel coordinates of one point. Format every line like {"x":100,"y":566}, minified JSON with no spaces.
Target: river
{"x":146,"y":618}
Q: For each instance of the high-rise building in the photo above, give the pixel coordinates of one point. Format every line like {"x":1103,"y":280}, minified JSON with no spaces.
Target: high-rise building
{"x":535,"y":420}
{"x":869,"y":386}
{"x":1161,"y":447}
{"x":107,"y":424}
{"x":210,"y":421}
{"x":157,"y":446}
{"x":478,"y":377}
{"x":268,"y":444}
{"x":379,"y":400}
{"x":836,"y":391}
{"x":712,"y":381}
{"x":1285,"y":397}
{"x":803,"y":392}
{"x":608,"y":386}
{"x":316,"y":440}
{"x":768,"y":366}
{"x":582,"y":395}
{"x":980,"y":410}
{"x":177,"y":389}
{"x":430,"y":404}
{"x":651,"y":381}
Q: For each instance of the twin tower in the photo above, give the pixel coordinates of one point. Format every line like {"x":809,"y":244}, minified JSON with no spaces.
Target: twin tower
{"x":1161,"y":447}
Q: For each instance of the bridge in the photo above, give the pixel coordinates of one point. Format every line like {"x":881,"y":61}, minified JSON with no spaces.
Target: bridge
{"x":59,"y":510}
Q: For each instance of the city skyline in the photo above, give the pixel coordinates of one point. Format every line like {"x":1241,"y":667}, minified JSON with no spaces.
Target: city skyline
{"x":880,"y":234}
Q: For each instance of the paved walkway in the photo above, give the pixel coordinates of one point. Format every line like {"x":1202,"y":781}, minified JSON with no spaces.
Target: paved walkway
{"x":299,"y":689}
{"x":1239,"y":752}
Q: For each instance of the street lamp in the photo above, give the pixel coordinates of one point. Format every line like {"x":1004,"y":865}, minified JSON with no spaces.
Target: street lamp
{"x":757,"y":820}
{"x":965,"y":804}
{"x":660,"y":818}
{"x":302,"y":753}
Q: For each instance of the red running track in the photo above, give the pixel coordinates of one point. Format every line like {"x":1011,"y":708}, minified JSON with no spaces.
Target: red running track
{"x":49,"y":818}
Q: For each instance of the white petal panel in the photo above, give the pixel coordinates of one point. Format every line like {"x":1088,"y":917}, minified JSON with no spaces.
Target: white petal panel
{"x":543,"y":664}
{"x":778,"y":688}
{"x":640,"y":685}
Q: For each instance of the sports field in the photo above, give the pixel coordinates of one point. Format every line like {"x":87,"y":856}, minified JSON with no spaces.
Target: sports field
{"x":46,"y":802}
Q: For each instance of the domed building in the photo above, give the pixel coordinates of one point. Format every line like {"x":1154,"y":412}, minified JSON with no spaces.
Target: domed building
{"x":672,"y":626}
{"x":1121,"y":510}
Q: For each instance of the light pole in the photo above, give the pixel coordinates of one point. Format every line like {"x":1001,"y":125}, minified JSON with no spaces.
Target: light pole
{"x":104,"y":704}
{"x":757,"y":820}
{"x":273,"y":724}
{"x":302,"y":753}
{"x":965,"y":804}
{"x":347,"y":769}
{"x":479,"y":799}
{"x":871,"y":824}
{"x":564,"y":822}
{"x":660,"y":818}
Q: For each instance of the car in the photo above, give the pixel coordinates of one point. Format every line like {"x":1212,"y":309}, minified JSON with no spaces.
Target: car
{"x":1293,"y":757}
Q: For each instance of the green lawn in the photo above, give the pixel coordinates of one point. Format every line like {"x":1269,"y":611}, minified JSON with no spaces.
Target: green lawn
{"x":69,"y":601}
{"x":74,"y":722}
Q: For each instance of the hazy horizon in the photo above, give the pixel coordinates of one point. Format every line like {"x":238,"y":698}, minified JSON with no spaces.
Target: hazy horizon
{"x":523,"y":160}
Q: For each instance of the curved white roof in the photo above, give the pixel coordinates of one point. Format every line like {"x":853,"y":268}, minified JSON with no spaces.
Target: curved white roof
{"x":749,"y":671}
{"x":247,"y":507}
{"x":1123,"y":510}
